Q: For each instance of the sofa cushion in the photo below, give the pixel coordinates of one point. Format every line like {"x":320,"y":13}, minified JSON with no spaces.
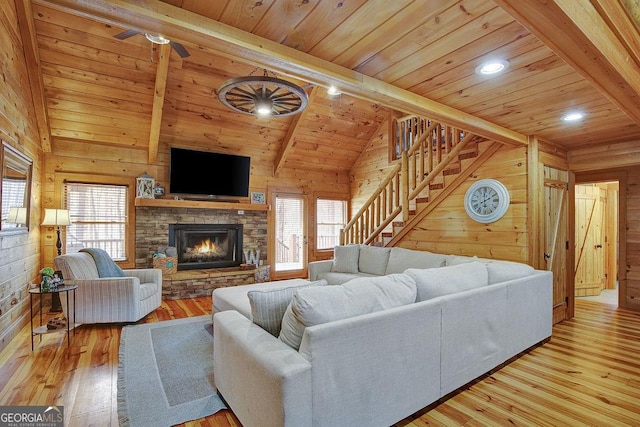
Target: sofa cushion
{"x":401,"y":259}
{"x":435,"y":282}
{"x":315,"y":305}
{"x":334,"y":278}
{"x":501,"y":271}
{"x":268,"y":306}
{"x":147,"y":290}
{"x":345,"y":259}
{"x":373,"y":260}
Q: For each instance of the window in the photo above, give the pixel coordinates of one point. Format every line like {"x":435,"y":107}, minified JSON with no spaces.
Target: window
{"x":330,"y":219}
{"x":98,"y":218}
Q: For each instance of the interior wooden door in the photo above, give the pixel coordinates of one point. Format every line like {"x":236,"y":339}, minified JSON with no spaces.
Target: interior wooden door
{"x":555,"y":236}
{"x":590,"y":240}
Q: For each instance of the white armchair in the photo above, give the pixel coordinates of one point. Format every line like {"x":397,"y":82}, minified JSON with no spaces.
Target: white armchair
{"x":109,"y":299}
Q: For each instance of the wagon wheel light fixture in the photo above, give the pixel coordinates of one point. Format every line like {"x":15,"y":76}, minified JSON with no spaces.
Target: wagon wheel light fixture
{"x":263,"y":96}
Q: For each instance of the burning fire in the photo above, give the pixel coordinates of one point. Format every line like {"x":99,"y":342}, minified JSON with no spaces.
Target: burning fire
{"x":206,"y":247}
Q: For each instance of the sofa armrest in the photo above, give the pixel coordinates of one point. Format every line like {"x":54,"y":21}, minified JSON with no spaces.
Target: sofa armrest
{"x":146,"y":275}
{"x":317,"y":267}
{"x":264,"y":381}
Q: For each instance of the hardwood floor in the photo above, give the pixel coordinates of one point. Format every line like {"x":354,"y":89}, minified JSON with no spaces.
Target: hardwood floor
{"x":587,"y":374}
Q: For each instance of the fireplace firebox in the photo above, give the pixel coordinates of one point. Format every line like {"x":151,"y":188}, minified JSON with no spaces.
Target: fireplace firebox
{"x":206,"y":245}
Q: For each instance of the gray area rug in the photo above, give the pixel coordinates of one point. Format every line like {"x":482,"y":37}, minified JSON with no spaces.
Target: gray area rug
{"x":165,"y":373}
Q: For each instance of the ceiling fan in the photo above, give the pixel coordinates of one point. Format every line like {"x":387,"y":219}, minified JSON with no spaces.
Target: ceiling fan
{"x":157,"y":39}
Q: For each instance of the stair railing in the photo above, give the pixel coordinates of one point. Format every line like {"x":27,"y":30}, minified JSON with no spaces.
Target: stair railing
{"x":432,"y":149}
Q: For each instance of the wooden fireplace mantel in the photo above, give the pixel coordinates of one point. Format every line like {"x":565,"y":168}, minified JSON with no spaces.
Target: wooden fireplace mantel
{"x":199,"y":204}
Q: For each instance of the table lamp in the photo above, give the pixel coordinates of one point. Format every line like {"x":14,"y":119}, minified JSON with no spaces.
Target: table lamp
{"x":17,"y":216}
{"x":56,"y":217}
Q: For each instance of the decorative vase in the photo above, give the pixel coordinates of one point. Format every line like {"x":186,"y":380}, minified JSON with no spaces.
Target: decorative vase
{"x":45,"y":285}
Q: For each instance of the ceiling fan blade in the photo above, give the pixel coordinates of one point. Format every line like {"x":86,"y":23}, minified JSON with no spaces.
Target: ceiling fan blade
{"x":126,"y":34}
{"x":180,"y":50}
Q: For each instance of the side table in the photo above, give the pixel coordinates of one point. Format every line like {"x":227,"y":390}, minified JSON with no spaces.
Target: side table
{"x":42,"y":329}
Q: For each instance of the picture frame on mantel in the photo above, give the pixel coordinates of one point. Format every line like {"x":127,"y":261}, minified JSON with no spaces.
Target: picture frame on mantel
{"x":257,"y":198}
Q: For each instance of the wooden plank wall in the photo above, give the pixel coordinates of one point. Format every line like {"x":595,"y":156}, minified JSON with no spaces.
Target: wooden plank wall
{"x":19,"y":254}
{"x":618,"y":162}
{"x":448,"y":229}
{"x":109,"y":163}
{"x":371,"y":167}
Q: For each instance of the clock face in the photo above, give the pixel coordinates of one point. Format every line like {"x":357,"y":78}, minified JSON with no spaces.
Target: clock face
{"x":486,"y":201}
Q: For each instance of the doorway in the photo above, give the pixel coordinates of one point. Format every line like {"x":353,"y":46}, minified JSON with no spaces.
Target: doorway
{"x":288,"y":226}
{"x":596,"y":241}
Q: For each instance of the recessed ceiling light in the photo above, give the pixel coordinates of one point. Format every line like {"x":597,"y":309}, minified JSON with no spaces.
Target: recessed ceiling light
{"x":573,"y":117}
{"x":492,"y":67}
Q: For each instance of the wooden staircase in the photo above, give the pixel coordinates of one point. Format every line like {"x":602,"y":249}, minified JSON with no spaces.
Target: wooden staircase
{"x":434,"y":159}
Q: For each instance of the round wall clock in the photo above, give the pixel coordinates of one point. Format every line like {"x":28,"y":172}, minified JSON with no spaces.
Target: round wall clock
{"x":486,"y":201}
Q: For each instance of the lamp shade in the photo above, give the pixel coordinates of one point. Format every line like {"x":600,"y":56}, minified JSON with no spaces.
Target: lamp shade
{"x":17,"y":215}
{"x":56,"y":217}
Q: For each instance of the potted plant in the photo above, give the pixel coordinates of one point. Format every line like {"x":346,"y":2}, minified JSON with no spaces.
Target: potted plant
{"x":47,"y":279}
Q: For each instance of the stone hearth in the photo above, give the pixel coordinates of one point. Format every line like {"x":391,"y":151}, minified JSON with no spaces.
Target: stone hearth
{"x":196,"y":283}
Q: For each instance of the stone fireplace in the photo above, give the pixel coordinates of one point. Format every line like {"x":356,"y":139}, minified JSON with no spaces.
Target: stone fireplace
{"x":152,"y":233}
{"x":207,"y":245}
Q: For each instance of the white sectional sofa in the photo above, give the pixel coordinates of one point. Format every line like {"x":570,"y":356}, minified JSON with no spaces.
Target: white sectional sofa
{"x":377,"y":349}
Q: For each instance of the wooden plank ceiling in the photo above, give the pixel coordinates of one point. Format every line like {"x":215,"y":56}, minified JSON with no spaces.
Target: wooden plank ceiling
{"x":405,"y":55}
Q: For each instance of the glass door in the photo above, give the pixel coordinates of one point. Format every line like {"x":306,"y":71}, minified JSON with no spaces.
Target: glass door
{"x":289,"y":246}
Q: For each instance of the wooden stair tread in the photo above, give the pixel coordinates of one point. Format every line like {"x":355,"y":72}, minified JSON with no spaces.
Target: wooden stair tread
{"x":467,"y":155}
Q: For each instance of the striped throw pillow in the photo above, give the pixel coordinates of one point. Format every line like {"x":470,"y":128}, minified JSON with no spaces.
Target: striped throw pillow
{"x":268,"y":307}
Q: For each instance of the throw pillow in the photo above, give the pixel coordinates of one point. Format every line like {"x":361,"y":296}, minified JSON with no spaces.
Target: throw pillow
{"x":316,"y":305}
{"x":401,"y":259}
{"x":268,"y":307}
{"x":373,"y":260}
{"x":435,"y":282}
{"x":501,"y":271}
{"x":345,"y":259}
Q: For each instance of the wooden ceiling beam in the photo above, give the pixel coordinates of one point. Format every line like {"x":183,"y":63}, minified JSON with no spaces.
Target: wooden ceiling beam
{"x":208,"y":34}
{"x":32,"y":58}
{"x":624,"y":21}
{"x":158,"y":101}
{"x":577,"y":32}
{"x":289,"y":139}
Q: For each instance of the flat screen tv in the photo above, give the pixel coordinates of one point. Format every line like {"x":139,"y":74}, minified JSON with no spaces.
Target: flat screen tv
{"x":203,"y":173}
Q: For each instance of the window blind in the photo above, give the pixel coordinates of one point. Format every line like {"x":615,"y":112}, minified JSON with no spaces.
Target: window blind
{"x":98,"y":215}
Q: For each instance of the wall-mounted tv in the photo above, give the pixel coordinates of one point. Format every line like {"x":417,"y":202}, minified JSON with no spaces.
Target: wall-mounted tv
{"x":203,"y":173}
